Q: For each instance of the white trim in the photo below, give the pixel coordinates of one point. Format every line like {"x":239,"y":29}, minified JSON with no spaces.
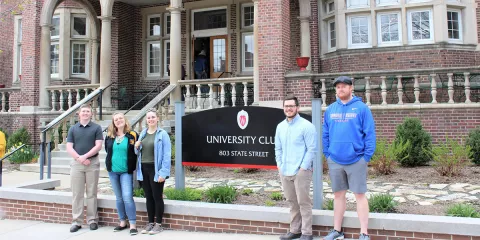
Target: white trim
{"x":148,"y":25}
{"x":329,"y":36}
{"x":149,"y":74}
{"x":55,"y":75}
{"x":17,"y":55}
{"x":460,"y":27}
{"x":327,"y":7}
{"x":209,"y":32}
{"x":87,"y":59}
{"x":87,"y":22}
{"x":242,"y":18}
{"x":59,"y":30}
{"x":349,"y":6}
{"x":349,"y":32}
{"x":246,"y":69}
{"x":165,"y":67}
{"x":389,"y":3}
{"x":165,"y":26}
{"x":417,"y":1}
{"x":379,"y":29}
{"x":409,"y":27}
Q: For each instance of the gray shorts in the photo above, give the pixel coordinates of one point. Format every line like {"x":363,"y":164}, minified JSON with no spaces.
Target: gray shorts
{"x":351,"y":177}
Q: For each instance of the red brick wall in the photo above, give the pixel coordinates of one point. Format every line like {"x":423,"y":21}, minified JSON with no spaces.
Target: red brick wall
{"x":295,"y":38}
{"x":10,"y":123}
{"x":302,"y":89}
{"x":6,"y":43}
{"x":234,"y":56}
{"x":61,"y":213}
{"x":314,"y":41}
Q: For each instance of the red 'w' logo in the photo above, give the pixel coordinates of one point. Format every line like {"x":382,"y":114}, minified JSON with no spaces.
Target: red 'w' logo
{"x":243,"y":120}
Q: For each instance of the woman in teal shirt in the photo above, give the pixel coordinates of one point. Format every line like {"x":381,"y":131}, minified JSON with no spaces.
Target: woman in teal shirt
{"x":121,"y":161}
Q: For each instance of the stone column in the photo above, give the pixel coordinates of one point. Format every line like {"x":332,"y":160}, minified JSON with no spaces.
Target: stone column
{"x":105,"y":60}
{"x":175,"y":47}
{"x":305,"y":13}
{"x":44,"y":67}
{"x":256,"y":76}
{"x":94,"y":44}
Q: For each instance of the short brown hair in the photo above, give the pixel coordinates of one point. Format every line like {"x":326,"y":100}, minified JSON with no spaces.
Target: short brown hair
{"x":291,"y":97}
{"x":85,"y":106}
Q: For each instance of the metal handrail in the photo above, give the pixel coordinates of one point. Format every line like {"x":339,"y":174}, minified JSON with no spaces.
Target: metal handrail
{"x":5,"y":157}
{"x":166,"y":92}
{"x":146,"y":95}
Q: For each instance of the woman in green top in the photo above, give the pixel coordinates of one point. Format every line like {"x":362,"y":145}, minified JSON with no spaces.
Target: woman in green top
{"x":121,"y":161}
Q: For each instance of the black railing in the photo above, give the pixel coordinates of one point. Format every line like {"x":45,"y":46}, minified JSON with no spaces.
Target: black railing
{"x":5,"y":157}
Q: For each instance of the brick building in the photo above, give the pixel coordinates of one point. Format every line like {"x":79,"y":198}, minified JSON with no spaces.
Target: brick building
{"x":409,"y":57}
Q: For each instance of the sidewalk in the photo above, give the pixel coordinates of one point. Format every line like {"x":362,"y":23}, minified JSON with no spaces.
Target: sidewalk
{"x":28,"y":230}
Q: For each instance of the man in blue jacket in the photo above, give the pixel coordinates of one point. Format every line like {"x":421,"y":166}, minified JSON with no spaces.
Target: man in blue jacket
{"x":295,"y":149}
{"x":348,"y":145}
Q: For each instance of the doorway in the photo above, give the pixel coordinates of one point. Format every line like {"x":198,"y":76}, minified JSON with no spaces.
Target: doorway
{"x":210,"y":57}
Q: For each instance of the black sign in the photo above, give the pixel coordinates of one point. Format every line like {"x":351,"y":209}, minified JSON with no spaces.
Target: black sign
{"x":231,"y":137}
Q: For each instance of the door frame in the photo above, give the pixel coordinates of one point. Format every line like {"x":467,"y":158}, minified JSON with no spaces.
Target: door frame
{"x":227,"y":59}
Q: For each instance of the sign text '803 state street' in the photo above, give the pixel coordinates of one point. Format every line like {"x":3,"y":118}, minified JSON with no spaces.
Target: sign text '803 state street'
{"x":231,"y":137}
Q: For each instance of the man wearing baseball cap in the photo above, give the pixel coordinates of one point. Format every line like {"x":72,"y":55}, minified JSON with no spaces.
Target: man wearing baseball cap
{"x":348,"y":145}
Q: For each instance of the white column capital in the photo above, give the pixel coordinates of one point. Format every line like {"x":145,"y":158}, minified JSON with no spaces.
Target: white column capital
{"x":305,"y":8}
{"x":304,"y":18}
{"x":176,"y":9}
{"x":106,"y":18}
{"x":255,"y":1}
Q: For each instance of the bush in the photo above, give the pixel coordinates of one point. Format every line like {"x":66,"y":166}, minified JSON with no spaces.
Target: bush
{"x":193,"y":168}
{"x":247,"y":191}
{"x":249,"y":170}
{"x":384,"y":161}
{"x":450,"y":157}
{"x":24,"y":155}
{"x":269,"y":203}
{"x":277,"y":196}
{"x":462,"y":210}
{"x":473,"y":141}
{"x":19,"y":137}
{"x":418,"y":153}
{"x":221,"y":194}
{"x":188,"y":194}
{"x":328,"y":204}
{"x":382,"y":203}
{"x":138,"y":192}
{"x":172,"y":141}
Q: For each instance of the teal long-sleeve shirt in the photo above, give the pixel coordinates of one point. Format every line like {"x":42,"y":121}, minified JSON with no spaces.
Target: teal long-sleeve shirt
{"x":295,"y":145}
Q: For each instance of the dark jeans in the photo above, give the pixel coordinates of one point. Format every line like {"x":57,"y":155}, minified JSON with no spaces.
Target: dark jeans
{"x":153,"y":193}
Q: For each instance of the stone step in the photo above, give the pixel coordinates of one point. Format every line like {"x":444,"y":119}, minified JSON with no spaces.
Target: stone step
{"x":56,"y":169}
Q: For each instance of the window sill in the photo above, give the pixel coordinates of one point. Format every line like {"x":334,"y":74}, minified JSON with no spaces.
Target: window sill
{"x":245,"y":74}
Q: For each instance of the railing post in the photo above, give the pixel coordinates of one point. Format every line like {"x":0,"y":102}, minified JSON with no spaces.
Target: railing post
{"x":399,"y":89}
{"x":1,"y":172}
{"x":179,"y":170}
{"x":416,"y":90}
{"x":49,"y":159}
{"x":384,"y":90}
{"x":324,"y":93}
{"x":434,"y":88}
{"x":317,"y":163}
{"x":467,"y":87}
{"x":451,"y":91}
{"x":367,"y":90}
{"x":4,"y":99}
{"x":42,"y":153}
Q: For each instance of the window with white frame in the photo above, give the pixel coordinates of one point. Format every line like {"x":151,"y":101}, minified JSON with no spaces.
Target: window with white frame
{"x":54,"y":58}
{"x":247,"y":15}
{"x":420,"y":26}
{"x":79,"y":59}
{"x":208,"y":19}
{"x":55,"y":31}
{"x":358,"y":3}
{"x":389,"y":29}
{"x":387,"y":2}
{"x":247,"y":51}
{"x":154,"y":27}
{"x":167,"y":21}
{"x":332,"y":35}
{"x":18,"y":49}
{"x":79,"y":26}
{"x":454,"y":25}
{"x":359,"y":32}
{"x":153,"y":58}
{"x":330,"y":6}
{"x":166,"y":57}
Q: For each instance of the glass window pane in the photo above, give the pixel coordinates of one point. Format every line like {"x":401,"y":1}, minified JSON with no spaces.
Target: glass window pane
{"x":19,"y":30}
{"x":248,"y":50}
{"x":210,"y":19}
{"x":248,"y":18}
{"x":78,"y":58}
{"x":154,"y":57}
{"x":55,"y":32}
{"x":219,"y":55}
{"x":155,"y":26}
{"x":168,"y":24}
{"x":54,"y":55}
{"x":79,"y":26}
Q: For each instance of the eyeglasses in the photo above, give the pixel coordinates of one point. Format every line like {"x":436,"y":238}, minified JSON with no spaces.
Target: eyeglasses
{"x":289,"y":106}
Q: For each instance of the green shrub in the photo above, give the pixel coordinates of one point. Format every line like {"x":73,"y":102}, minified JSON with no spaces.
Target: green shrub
{"x":236,"y":170}
{"x":418,"y":153}
{"x":221,"y":194}
{"x":473,"y":141}
{"x":21,"y":136}
{"x":450,"y":157}
{"x":269,"y":203}
{"x":328,"y":204}
{"x":249,"y":170}
{"x":384,"y":161}
{"x":277,"y":196}
{"x":247,"y":191}
{"x":172,"y":141}
{"x":188,"y":194}
{"x":24,"y":155}
{"x":382,"y":203}
{"x":462,"y":210}
{"x":138,"y":192}
{"x":193,"y":168}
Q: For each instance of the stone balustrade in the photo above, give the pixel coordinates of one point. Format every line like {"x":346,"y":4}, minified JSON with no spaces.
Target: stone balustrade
{"x":6,"y":94}
{"x":63,"y":97}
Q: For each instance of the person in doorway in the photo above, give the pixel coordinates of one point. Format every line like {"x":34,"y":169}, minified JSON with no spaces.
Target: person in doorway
{"x":201,"y":69}
{"x":153,"y":168}
{"x":84,"y":141}
{"x":121,"y":161}
{"x":3,"y":145}
{"x":348,"y":145}
{"x":295,"y":149}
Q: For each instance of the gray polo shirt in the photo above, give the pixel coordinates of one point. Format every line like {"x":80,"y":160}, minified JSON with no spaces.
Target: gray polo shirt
{"x":84,"y":137}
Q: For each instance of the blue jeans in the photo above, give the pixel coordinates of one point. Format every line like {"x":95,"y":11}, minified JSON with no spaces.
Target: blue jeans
{"x":122,"y":184}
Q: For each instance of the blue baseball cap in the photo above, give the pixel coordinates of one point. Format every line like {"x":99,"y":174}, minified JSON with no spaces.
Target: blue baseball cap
{"x":343,"y":79}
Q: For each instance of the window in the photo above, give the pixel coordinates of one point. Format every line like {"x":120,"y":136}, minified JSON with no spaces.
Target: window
{"x":420,"y":26}
{"x":55,"y":32}
{"x":79,"y":26}
{"x":359,"y":31}
{"x":166,"y":57}
{"x":153,"y":58}
{"x":248,"y":15}
{"x":389,"y":30}
{"x":358,"y":3}
{"x":54,"y":59}
{"x":167,"y":22}
{"x":330,"y":7}
{"x":209,"y":19}
{"x":332,"y":36}
{"x":387,"y":2}
{"x":247,"y":52}
{"x":154,"y":25}
{"x":454,"y":25}
{"x":79,"y":58}
{"x":18,"y":49}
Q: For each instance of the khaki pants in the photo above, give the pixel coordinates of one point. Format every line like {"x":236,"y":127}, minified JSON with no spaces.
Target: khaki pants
{"x":296,"y":189}
{"x":84,"y":177}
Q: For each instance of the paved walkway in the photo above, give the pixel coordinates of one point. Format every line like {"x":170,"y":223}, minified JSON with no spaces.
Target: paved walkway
{"x":28,"y":230}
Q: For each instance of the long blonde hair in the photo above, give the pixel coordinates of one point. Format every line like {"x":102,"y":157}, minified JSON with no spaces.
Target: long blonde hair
{"x":112,"y":129}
